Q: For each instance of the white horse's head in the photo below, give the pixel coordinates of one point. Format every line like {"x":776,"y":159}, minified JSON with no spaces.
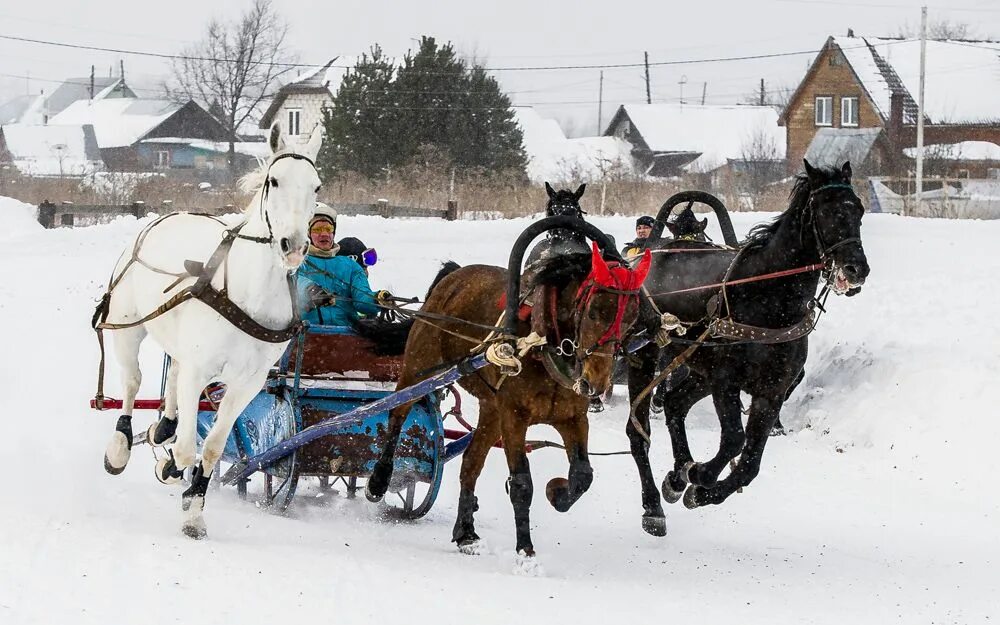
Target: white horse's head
{"x":288,"y":195}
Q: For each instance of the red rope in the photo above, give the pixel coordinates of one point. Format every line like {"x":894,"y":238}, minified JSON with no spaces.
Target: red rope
{"x":767,"y":276}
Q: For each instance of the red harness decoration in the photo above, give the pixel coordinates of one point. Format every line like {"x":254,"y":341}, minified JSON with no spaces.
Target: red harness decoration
{"x":615,"y":278}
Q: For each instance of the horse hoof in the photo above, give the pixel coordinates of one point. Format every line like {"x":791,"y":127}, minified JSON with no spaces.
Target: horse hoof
{"x":527,"y":565}
{"x":669,"y":494}
{"x":370,"y":496}
{"x":195,"y":529}
{"x":691,"y":497}
{"x":596,"y":405}
{"x":556,"y":492}
{"x":654,"y":525}
{"x":162,"y":432}
{"x":685,"y":472}
{"x":117,"y":455}
{"x":166,"y":472}
{"x":778,"y":431}
{"x":472,"y":547}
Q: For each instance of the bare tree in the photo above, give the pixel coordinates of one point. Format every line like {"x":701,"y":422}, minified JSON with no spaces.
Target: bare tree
{"x":235,"y":66}
{"x":759,"y":165}
{"x":939,"y":30}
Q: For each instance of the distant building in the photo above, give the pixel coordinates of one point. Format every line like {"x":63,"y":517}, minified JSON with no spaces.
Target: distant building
{"x":677,"y":139}
{"x":859,"y":100}
{"x":299,"y":104}
{"x":50,"y":150}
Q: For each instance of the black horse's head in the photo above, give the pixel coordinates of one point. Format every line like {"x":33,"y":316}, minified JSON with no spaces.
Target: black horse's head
{"x":564,"y":202}
{"x":834,"y":214}
{"x":686,"y":226}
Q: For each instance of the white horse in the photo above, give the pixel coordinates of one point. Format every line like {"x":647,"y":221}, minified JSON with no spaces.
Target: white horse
{"x":203,"y":345}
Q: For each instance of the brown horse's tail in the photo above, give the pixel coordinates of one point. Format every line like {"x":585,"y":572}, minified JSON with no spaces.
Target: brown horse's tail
{"x":389,"y":337}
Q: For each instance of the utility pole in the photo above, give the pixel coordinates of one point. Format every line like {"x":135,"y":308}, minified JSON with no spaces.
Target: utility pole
{"x":649,"y":99}
{"x":920,"y":107}
{"x":762,"y":92}
{"x":91,"y":82}
{"x":600,"y":105}
{"x":704,"y":90}
{"x":681,"y":82}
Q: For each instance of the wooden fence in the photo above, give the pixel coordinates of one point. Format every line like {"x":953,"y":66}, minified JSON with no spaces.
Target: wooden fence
{"x":69,"y":215}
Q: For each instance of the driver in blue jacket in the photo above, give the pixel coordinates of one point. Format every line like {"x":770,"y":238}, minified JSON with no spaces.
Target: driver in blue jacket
{"x":333,"y":290}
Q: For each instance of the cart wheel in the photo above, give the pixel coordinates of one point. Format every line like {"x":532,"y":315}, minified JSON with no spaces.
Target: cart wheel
{"x":279,"y":485}
{"x":413,"y":498}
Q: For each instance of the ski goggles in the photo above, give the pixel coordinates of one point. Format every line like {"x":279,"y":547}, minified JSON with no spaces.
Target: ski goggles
{"x":368,"y":257}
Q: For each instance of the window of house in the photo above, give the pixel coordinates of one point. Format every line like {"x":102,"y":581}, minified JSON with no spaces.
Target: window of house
{"x":162,"y":159}
{"x":294,"y":115}
{"x":623,"y":129}
{"x":849,"y":111}
{"x":824,"y":110}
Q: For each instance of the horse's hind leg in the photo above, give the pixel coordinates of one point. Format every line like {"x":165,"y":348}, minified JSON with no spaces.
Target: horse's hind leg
{"x":731,"y":440}
{"x":486,"y":434}
{"x":378,"y":483}
{"x":563,"y":493}
{"x":763,"y":415}
{"x":126,"y":347}
{"x":677,"y":405}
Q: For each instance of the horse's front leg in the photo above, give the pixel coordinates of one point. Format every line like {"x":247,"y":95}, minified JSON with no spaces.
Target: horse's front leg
{"x":764,"y":414}
{"x":640,"y":374}
{"x":731,"y":440}
{"x":513,"y":429}
{"x":562,"y":493}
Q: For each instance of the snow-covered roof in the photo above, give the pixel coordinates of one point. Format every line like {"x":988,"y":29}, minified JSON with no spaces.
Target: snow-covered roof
{"x":24,"y":109}
{"x":962,"y":77}
{"x":830,"y":147}
{"x":327,"y":76}
{"x":961,"y":151}
{"x":118,"y":122}
{"x":552,"y":157}
{"x":718,"y":132}
{"x":52,"y":150}
{"x":259,"y":149}
{"x":75,"y":89}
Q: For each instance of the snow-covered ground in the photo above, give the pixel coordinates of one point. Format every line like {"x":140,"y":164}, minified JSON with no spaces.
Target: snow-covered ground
{"x":880,"y":507}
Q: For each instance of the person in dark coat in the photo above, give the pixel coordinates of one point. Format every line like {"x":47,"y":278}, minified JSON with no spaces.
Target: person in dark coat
{"x":643,"y":228}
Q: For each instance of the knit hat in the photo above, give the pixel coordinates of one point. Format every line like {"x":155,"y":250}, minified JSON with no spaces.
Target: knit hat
{"x":645,"y":220}
{"x":324,"y":213}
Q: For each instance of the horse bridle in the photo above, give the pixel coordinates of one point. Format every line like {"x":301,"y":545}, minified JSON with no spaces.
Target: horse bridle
{"x":612,"y":334}
{"x":234,"y":233}
{"x":824,"y":250}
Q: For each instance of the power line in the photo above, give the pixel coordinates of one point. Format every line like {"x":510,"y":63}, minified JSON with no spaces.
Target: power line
{"x":161,"y":55}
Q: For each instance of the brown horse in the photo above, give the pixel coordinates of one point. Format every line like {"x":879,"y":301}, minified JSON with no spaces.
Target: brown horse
{"x":594,"y":303}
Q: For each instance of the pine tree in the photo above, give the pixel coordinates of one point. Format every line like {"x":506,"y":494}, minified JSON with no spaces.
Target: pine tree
{"x":434,"y":104}
{"x":357,"y":124}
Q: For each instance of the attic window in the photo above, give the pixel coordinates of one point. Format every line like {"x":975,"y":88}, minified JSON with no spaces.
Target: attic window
{"x":849,"y":111}
{"x":837,"y":58}
{"x":824,"y":110}
{"x":294,"y":115}
{"x":623,"y":129}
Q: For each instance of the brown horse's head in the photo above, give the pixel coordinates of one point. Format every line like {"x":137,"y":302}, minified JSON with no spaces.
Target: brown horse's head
{"x":607,"y":306}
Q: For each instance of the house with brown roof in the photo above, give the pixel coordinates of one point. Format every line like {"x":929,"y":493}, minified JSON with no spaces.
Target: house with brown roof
{"x":858,"y":100}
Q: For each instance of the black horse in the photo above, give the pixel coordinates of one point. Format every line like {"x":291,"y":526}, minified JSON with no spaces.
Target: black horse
{"x":819,"y":233}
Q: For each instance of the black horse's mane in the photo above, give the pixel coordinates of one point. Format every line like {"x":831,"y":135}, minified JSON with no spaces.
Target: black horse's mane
{"x":761,"y":234}
{"x":560,"y":270}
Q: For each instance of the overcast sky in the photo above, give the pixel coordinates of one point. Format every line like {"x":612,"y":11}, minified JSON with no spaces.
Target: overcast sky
{"x":510,"y":33}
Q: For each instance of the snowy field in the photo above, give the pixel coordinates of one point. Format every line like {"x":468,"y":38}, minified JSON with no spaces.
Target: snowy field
{"x":880,"y":506}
